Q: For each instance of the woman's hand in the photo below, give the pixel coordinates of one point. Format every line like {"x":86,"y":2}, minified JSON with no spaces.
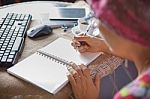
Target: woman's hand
{"x":82,"y":83}
{"x":89,"y":44}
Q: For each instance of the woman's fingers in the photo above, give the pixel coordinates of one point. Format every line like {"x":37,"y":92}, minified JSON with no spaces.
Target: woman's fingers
{"x":72,"y":81}
{"x":75,"y":43}
{"x":77,"y":68}
{"x":97,"y":81}
{"x":80,"y":70}
{"x":80,"y":46}
{"x":71,"y":70}
{"x":83,"y":49}
{"x":82,"y":38}
{"x":75,"y":74}
{"x":82,"y":83}
{"x":85,"y":70}
{"x":77,"y":78}
{"x":74,"y":66}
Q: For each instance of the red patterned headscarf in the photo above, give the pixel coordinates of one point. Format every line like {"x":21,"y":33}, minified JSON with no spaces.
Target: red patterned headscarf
{"x":129,"y":18}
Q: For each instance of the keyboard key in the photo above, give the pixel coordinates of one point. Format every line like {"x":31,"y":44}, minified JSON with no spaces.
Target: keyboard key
{"x":4,"y":58}
{"x":7,"y":51}
{"x":17,"y":43}
{"x":9,"y":15}
{"x":6,"y":54}
{"x":11,"y":56}
{"x":12,"y":53}
{"x":18,"y":16}
{"x":4,"y":46}
{"x":4,"y":26}
{"x":1,"y":52}
{"x":22,"y":17}
{"x":8,"y":48}
{"x":9,"y":60}
{"x":1,"y":55}
{"x":3,"y":49}
{"x":19,"y":35}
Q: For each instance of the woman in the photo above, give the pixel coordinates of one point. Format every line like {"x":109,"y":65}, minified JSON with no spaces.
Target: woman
{"x":125,"y":28}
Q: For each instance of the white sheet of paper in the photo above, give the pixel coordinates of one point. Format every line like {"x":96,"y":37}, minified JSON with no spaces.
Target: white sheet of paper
{"x":62,"y":48}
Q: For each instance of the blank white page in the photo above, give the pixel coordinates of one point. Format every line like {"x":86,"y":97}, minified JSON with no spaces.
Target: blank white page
{"x":42,"y":72}
{"x":62,"y":48}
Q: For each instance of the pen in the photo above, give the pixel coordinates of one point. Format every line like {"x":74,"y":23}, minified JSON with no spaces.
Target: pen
{"x":83,"y":43}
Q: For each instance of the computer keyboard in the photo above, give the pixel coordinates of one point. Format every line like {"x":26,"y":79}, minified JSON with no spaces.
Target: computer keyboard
{"x":13,"y":28}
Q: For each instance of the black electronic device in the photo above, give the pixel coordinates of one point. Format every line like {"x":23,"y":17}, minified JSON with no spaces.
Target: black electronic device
{"x":13,"y":28}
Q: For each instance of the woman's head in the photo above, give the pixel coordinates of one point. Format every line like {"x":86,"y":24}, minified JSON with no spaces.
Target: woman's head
{"x":129,"y":19}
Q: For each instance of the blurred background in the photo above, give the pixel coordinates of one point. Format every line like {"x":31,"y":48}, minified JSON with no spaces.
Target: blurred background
{"x":6,"y":2}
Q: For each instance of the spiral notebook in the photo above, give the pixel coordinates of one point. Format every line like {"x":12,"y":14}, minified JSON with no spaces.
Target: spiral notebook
{"x":46,"y":68}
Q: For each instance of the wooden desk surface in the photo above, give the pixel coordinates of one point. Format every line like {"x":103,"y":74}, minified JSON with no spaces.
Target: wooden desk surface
{"x":10,"y":86}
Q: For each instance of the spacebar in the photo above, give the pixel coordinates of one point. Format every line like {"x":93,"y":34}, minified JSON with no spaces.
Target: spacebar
{"x":17,"y":44}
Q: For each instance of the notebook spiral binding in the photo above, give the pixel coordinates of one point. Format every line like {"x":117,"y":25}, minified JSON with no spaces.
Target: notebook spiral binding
{"x":53,"y":58}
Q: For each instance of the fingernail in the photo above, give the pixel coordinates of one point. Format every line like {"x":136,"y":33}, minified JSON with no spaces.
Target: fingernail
{"x":68,"y":76}
{"x":67,"y":73}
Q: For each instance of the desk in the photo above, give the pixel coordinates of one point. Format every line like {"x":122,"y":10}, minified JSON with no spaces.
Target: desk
{"x":11,"y":86}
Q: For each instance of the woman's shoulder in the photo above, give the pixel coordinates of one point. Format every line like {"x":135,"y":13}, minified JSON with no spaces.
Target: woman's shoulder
{"x":139,"y":88}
